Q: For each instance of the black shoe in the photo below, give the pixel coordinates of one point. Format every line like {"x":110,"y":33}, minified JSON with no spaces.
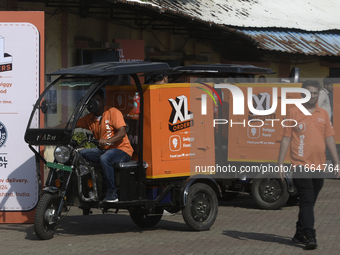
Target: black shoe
{"x":311,"y":243}
{"x":299,"y":238}
{"x":111,"y":197}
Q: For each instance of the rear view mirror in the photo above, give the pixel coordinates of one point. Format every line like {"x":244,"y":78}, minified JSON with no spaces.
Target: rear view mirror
{"x":44,"y":106}
{"x":92,"y":105}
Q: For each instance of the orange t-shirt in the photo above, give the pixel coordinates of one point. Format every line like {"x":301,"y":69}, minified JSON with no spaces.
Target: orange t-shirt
{"x":308,"y":144}
{"x":111,"y":120}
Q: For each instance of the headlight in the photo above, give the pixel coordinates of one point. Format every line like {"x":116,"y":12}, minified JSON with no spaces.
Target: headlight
{"x":62,"y":154}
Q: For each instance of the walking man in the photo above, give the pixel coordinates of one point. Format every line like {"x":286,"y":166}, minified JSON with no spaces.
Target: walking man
{"x":307,"y":141}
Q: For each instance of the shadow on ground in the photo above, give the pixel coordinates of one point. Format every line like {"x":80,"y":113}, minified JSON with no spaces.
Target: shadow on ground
{"x":242,"y":201}
{"x":261,"y":237}
{"x":101,"y":224}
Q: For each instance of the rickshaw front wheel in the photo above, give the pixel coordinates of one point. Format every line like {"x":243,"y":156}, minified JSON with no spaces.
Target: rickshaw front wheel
{"x":201,"y":209}
{"x":45,"y":223}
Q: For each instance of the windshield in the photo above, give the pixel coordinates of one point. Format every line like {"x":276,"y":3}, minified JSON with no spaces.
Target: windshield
{"x":59,"y":101}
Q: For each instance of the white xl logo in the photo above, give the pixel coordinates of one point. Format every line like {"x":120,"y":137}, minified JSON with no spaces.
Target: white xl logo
{"x":180,"y":110}
{"x":262,"y":103}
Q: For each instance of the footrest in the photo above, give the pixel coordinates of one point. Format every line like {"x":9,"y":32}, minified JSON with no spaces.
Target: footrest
{"x":130,"y":164}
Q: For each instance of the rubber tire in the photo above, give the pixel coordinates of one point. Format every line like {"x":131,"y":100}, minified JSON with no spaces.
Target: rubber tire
{"x":198,"y":193}
{"x":293,"y":200}
{"x":259,"y":195}
{"x":43,"y":229}
{"x":144,"y":219}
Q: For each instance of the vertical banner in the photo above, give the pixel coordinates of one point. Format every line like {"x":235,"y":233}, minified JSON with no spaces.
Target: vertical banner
{"x":131,"y":50}
{"x":21,"y":77}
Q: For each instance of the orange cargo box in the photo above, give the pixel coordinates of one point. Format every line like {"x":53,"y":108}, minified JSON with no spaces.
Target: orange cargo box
{"x":256,"y":138}
{"x":177,"y":137}
{"x":336,"y":117}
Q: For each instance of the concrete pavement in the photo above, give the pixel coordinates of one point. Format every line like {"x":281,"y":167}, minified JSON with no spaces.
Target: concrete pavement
{"x":241,"y":228}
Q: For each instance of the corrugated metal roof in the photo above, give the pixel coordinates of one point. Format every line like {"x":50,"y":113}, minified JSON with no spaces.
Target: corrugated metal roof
{"x":293,"y":26}
{"x":310,"y":15}
{"x":309,"y":43}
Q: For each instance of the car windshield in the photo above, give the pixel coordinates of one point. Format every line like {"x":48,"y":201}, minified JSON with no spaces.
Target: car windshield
{"x":58,"y":103}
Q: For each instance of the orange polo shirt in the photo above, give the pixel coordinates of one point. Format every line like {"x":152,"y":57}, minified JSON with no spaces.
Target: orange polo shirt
{"x":308,"y":136}
{"x":111,"y":120}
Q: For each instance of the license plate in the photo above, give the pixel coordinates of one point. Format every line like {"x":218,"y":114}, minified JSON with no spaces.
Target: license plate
{"x":59,"y":166}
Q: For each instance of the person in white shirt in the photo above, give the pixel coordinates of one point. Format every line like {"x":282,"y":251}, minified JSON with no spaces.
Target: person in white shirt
{"x":324,"y":102}
{"x":328,"y":85}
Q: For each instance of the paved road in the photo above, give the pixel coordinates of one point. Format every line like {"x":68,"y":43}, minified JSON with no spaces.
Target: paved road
{"x":241,"y":228}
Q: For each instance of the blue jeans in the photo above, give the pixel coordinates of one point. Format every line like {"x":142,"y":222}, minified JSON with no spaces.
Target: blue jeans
{"x":107,"y":159}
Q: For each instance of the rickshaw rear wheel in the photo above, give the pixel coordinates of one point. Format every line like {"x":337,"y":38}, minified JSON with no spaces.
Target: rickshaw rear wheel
{"x":269,"y":192}
{"x":45,"y":224}
{"x":146,"y":219}
{"x":201,"y":209}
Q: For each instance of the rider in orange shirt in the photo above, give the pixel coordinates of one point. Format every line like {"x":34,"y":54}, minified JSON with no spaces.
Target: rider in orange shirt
{"x":108,"y":126}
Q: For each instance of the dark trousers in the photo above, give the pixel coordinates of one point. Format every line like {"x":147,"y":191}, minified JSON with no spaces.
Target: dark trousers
{"x":308,"y":189}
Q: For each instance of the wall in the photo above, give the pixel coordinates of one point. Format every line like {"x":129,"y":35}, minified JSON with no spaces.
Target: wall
{"x":68,"y":26}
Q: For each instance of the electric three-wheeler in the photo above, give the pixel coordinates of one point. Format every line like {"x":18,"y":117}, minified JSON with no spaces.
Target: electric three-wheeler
{"x":158,"y":122}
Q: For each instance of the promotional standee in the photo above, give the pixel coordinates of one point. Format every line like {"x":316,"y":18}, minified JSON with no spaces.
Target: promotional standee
{"x":21,"y":77}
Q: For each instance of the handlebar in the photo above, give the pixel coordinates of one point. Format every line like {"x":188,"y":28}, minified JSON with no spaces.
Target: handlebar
{"x":91,"y":140}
